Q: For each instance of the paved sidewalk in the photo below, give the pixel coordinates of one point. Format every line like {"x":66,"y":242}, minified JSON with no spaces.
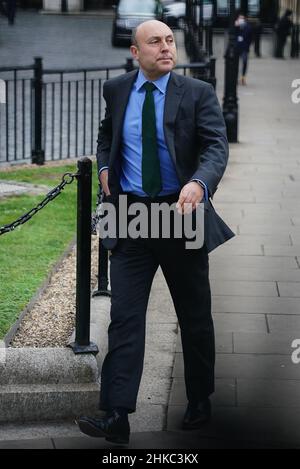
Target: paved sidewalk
{"x":255,"y":277}
{"x":9,"y":188}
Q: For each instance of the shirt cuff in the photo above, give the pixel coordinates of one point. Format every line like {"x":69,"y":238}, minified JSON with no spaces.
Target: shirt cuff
{"x":206,"y":195}
{"x":102,"y":169}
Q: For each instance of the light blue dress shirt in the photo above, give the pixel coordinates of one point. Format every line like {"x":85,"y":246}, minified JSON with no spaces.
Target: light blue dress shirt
{"x":131,"y":166}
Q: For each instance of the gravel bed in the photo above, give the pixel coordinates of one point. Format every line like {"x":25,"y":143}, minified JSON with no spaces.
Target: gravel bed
{"x":51,"y":320}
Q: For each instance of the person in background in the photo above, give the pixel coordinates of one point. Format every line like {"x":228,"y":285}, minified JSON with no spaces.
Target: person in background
{"x":257,"y":31}
{"x":8,"y":8}
{"x":283,"y":30}
{"x":243,"y":32}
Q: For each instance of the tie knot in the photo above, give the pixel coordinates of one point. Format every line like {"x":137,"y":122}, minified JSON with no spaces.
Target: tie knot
{"x":149,"y":86}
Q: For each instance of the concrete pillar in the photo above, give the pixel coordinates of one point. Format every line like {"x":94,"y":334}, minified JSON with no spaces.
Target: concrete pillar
{"x":55,"y":5}
{"x":52,"y":5}
{"x":75,"y":5}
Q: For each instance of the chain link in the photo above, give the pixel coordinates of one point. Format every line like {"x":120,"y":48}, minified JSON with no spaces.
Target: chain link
{"x":98,"y":214}
{"x":67,"y":178}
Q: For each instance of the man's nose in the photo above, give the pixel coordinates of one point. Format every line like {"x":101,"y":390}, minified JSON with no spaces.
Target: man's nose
{"x":164,"y":45}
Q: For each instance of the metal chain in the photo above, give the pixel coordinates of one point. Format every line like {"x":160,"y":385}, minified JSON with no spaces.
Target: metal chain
{"x":67,"y":178}
{"x":97,"y":215}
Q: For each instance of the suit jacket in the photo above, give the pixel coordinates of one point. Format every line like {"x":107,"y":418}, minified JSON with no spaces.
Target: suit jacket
{"x":195,"y":135}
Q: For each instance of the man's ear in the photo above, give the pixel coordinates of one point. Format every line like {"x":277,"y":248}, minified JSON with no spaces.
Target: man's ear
{"x":134,"y":52}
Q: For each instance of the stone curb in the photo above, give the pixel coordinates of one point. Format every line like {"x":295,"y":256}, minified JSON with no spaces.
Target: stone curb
{"x":50,"y":383}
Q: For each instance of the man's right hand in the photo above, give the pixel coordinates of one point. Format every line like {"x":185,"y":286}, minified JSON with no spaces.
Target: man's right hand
{"x":103,"y":178}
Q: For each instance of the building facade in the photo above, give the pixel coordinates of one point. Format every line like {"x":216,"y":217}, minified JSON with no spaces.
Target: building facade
{"x":66,"y":5}
{"x":293,"y":5}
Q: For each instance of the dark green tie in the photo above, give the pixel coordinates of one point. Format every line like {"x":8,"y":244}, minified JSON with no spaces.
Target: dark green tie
{"x":151,"y":177}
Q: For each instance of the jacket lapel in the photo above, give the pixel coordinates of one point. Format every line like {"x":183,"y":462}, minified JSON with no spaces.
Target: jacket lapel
{"x":120,"y":100}
{"x":174,"y":94}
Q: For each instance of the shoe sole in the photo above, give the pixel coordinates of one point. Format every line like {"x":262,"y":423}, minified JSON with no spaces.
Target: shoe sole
{"x":91,"y":430}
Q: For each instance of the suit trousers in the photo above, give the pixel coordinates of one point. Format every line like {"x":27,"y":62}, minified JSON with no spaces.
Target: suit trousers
{"x":133,"y":263}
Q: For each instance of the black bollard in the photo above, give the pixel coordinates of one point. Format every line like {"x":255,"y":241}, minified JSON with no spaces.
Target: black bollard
{"x":82,"y":342}
{"x":230,"y":102}
{"x":37,"y":153}
{"x":102,"y":272}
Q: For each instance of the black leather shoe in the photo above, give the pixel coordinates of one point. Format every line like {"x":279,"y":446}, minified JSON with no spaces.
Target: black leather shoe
{"x":112,"y":427}
{"x":196,"y":416}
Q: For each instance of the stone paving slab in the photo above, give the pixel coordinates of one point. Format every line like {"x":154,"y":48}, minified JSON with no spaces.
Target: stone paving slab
{"x":265,"y":427}
{"x":225,"y":394}
{"x":27,"y":444}
{"x":284,"y":323}
{"x":240,"y":288}
{"x":295,"y":237}
{"x":217,"y":260}
{"x":251,"y":304}
{"x":275,"y":250}
{"x":244,"y":239}
{"x":253,"y":366}
{"x":163,"y":440}
{"x":224,"y":342}
{"x":235,"y":322}
{"x":245,"y":228}
{"x":268,"y":393}
{"x":254,"y":249}
{"x":250,"y":366}
{"x":258,"y":343}
{"x":256,"y":274}
{"x":291,"y":289}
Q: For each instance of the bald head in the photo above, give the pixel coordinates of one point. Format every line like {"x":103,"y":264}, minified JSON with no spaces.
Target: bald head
{"x":154,"y":48}
{"x":150,"y":27}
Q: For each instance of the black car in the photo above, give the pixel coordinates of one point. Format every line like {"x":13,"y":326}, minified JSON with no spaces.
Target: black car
{"x":129,"y":14}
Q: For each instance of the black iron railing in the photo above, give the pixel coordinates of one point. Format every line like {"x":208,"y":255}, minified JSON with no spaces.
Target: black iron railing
{"x":55,"y":114}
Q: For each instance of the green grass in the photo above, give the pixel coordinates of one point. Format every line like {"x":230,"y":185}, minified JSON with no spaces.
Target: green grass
{"x":28,"y":253}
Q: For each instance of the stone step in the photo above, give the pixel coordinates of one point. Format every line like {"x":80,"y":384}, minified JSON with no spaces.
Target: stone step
{"x":41,"y":402}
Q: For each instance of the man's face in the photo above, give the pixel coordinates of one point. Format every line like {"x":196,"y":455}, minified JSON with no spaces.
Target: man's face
{"x":155,"y":50}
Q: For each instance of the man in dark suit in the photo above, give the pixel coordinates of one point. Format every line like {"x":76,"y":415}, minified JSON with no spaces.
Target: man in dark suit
{"x":163,"y":139}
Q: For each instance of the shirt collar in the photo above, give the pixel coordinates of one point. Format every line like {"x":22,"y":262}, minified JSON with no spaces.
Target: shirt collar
{"x":160,"y":83}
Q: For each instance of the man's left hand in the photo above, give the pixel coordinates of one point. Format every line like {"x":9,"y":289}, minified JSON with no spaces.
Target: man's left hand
{"x":190,"y":197}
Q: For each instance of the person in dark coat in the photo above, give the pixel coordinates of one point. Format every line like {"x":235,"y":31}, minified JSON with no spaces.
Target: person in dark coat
{"x":243,"y":32}
{"x":8,"y":8}
{"x":257,"y":32}
{"x":283,"y":30}
{"x":184,"y":157}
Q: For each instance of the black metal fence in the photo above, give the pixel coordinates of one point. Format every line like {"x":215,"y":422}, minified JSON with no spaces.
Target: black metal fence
{"x":55,"y":114}
{"x":16,"y":114}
